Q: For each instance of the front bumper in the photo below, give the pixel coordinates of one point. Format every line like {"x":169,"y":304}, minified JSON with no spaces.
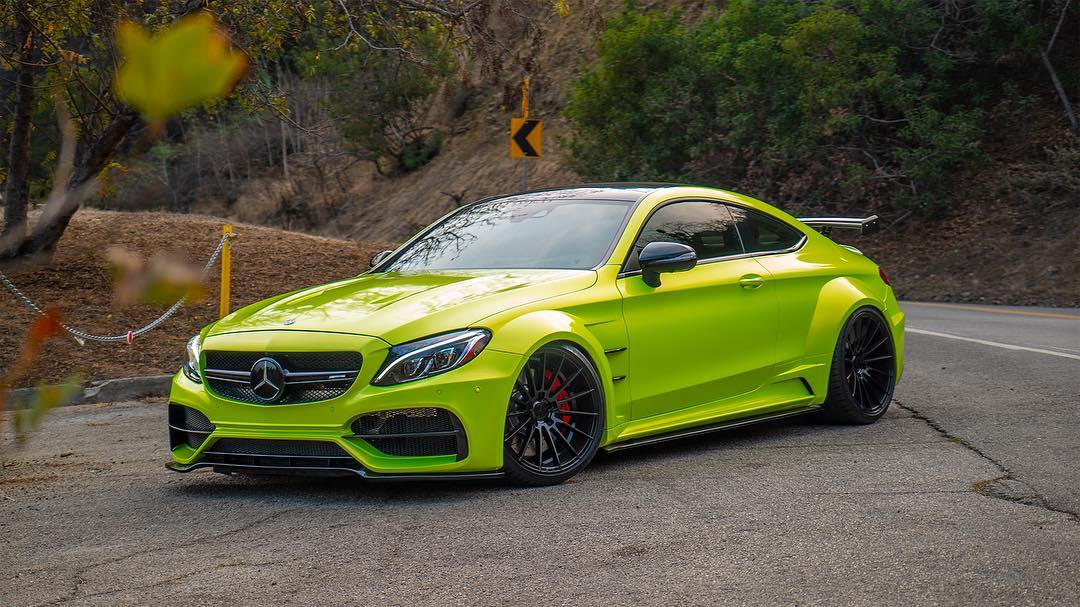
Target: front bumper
{"x":477,"y":394}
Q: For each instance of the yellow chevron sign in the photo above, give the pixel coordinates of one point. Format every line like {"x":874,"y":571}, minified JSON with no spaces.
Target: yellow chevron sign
{"x":525,"y":137}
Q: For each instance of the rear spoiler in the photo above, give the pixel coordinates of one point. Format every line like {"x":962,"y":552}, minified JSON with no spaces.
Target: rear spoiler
{"x":826,"y":225}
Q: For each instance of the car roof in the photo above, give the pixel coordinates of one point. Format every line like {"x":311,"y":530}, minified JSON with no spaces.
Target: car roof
{"x":623,"y":192}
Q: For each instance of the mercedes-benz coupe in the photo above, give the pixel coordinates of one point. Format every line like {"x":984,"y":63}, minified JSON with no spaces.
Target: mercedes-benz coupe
{"x":520,"y":334}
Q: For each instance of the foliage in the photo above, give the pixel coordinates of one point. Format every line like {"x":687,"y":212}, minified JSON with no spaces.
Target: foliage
{"x":840,"y":100}
{"x":185,"y":65}
{"x":379,"y":99}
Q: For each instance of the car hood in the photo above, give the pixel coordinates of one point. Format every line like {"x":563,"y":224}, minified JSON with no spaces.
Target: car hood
{"x":398,"y":307}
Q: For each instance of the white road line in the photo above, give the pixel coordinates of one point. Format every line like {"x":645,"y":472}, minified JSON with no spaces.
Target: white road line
{"x":992,"y":343}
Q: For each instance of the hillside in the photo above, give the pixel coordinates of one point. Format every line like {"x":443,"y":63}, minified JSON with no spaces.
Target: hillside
{"x":265,"y":262}
{"x":1005,"y":233}
{"x":994,"y":244}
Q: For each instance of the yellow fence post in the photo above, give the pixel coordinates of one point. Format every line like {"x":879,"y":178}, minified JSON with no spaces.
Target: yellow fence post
{"x":226,"y":271}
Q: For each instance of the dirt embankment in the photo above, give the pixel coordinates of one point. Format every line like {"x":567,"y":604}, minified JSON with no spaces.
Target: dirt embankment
{"x":265,"y":262}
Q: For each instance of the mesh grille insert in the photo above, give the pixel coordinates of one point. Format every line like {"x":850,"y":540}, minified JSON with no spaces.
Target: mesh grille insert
{"x":184,"y":420}
{"x":429,"y":430}
{"x":282,"y":448}
{"x":404,"y":421}
{"x":416,"y":446}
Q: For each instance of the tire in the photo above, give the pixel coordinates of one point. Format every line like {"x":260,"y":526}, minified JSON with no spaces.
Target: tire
{"x":863,"y":373}
{"x":555,"y":417}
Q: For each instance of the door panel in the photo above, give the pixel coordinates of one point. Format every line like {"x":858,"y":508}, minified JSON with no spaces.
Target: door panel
{"x":703,"y":335}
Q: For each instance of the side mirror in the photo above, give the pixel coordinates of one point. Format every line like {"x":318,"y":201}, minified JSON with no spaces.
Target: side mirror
{"x":379,"y":257}
{"x":659,"y":257}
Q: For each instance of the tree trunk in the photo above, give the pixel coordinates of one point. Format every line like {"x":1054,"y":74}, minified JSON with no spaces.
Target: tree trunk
{"x":17,"y":188}
{"x":50,"y":228}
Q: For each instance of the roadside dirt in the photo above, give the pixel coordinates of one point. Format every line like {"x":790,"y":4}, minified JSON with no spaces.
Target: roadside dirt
{"x":77,"y":281}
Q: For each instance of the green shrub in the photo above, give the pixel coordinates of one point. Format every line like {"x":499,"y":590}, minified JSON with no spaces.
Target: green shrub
{"x":821,"y":100}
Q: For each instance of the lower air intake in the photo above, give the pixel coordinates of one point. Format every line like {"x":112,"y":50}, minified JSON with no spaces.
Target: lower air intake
{"x":187,"y":426}
{"x":417,"y":432}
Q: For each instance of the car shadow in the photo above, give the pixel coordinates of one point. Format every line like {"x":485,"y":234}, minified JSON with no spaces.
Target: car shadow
{"x":210,"y":486}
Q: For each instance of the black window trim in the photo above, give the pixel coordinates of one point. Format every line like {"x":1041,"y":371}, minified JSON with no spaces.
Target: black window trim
{"x":624,"y":273}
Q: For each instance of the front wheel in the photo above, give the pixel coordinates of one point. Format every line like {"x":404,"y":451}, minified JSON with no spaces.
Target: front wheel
{"x":555,"y":418}
{"x":863,"y":372}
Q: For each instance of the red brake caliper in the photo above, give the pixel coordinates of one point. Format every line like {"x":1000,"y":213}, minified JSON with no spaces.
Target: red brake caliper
{"x":559,"y":396}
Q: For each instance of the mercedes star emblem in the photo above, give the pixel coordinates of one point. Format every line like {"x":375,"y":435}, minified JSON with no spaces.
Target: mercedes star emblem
{"x":267,"y":379}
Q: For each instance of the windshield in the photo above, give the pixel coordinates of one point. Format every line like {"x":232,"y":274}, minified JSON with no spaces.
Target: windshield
{"x":518,"y":232}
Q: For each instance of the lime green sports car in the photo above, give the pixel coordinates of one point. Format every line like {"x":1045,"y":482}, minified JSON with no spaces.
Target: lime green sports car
{"x":518,"y":335}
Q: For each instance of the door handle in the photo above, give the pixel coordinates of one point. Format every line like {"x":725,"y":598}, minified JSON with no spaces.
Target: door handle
{"x":751,"y":281}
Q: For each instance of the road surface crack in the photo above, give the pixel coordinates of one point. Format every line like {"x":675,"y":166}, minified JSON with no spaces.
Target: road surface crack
{"x":81,"y":572}
{"x":1006,"y":486}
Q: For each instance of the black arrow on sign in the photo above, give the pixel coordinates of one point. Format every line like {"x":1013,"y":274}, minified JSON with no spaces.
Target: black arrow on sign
{"x":521,"y":138}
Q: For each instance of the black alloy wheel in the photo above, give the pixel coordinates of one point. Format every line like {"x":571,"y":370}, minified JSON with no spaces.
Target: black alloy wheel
{"x":863,"y":371}
{"x":555,"y":417}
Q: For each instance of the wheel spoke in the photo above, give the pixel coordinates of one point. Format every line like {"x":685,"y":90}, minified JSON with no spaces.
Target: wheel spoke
{"x":877,"y":358}
{"x":554,"y":450}
{"x":575,"y":429}
{"x":516,"y":430}
{"x":543,"y":368}
{"x":525,"y":443}
{"x":565,"y":440}
{"x":555,"y":376}
{"x":566,"y":384}
{"x":574,"y":412}
{"x":576,"y":396}
{"x":878,"y":344}
{"x":539,"y":447}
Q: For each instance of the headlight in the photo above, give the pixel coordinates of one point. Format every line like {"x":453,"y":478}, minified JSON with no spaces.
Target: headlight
{"x":430,"y":356}
{"x":191,"y":365}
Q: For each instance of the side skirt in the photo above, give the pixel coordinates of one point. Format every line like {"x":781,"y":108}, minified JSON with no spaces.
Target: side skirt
{"x":717,"y":427}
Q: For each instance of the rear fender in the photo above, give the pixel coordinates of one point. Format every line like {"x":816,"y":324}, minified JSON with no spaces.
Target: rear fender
{"x":836,"y":302}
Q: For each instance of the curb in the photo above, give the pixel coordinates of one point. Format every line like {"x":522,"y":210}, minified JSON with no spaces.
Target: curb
{"x":110,"y":390}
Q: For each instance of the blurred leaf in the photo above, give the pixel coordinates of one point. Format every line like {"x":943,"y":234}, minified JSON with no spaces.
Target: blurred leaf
{"x":562,"y":8}
{"x":45,"y":326}
{"x":162,"y":281}
{"x":45,"y":399}
{"x":180,"y":67}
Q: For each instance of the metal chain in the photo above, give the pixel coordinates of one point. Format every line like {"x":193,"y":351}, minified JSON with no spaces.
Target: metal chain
{"x":80,"y":336}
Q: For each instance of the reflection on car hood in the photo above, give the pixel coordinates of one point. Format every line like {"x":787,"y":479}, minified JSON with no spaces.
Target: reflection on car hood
{"x":398,"y":307}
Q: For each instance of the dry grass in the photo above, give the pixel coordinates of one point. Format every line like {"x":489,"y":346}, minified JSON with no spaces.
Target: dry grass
{"x":265,"y":262}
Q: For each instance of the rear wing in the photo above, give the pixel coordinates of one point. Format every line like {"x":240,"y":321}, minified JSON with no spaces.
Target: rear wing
{"x":826,"y":225}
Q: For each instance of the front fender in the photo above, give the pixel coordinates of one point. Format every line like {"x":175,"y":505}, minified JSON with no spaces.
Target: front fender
{"x":527,"y":333}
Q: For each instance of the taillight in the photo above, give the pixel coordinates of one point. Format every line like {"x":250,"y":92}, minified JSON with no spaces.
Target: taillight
{"x":884,"y":278}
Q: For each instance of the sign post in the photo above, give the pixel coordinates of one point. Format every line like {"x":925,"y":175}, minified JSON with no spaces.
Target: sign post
{"x":525,"y":136}
{"x":226,"y":272}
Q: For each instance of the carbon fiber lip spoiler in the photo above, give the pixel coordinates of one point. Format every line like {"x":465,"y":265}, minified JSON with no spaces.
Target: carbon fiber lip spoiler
{"x":826,"y":225}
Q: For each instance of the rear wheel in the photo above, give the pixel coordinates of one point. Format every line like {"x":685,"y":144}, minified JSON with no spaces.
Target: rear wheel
{"x":863,"y":371}
{"x":555,"y":418}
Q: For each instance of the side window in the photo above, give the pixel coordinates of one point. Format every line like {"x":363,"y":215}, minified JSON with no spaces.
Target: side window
{"x":707,"y":227}
{"x":762,"y":234}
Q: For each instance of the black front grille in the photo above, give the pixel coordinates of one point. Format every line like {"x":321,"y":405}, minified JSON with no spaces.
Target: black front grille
{"x":279,"y":453}
{"x":422,"y":431}
{"x":310,"y":376}
{"x":187,"y":426}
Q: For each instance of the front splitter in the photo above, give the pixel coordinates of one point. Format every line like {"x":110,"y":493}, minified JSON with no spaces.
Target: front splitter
{"x":324,"y":471}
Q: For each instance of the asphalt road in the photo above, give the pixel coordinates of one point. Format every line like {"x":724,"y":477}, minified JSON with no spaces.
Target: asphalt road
{"x":966,"y":492}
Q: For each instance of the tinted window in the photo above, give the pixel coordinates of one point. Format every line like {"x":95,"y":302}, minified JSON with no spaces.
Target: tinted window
{"x":707,"y":227}
{"x":518,"y":232}
{"x":760,"y":233}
